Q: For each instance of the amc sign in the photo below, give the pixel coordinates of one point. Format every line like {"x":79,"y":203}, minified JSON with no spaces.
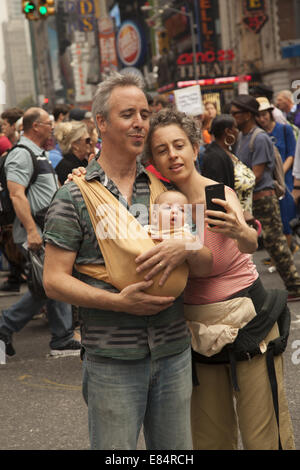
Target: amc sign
{"x":206,"y":57}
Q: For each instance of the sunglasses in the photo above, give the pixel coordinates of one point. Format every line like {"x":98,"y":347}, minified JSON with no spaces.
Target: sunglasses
{"x":235,"y":113}
{"x":87,"y":140}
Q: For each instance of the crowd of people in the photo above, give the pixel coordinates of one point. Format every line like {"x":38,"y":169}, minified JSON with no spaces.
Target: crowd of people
{"x":164,"y":318}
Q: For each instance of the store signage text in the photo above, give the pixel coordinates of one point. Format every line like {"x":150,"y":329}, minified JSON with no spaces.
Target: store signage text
{"x":206,"y":57}
{"x":207,"y":24}
{"x":129,"y":43}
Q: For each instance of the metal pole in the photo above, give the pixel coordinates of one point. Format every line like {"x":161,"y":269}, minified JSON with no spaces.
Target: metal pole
{"x":193,"y":46}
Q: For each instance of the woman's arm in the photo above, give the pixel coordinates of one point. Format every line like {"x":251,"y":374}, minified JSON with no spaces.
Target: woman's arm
{"x":171,"y":253}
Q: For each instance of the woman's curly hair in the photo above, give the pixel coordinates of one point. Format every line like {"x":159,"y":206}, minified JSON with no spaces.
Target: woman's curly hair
{"x":167,"y":117}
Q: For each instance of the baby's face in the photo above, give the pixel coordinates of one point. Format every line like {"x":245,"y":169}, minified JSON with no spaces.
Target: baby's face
{"x":170,"y":212}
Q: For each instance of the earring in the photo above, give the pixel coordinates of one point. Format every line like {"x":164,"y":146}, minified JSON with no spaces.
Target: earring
{"x":227,"y":143}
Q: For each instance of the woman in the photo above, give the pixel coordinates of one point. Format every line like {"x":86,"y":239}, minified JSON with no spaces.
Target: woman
{"x":75,"y":143}
{"x":220,"y":164}
{"x":172,"y":146}
{"x":283,"y":137}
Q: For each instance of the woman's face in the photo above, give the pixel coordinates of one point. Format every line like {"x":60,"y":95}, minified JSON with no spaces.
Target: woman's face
{"x":82,"y":147}
{"x":264,"y":119}
{"x":173,"y":153}
{"x":211,"y":110}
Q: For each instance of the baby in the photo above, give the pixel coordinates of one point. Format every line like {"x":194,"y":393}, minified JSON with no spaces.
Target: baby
{"x":168,"y":215}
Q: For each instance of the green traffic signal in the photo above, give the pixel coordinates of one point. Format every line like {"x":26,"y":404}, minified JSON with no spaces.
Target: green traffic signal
{"x":43,"y":11}
{"x":29,"y":7}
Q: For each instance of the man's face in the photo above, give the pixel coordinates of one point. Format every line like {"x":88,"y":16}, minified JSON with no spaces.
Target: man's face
{"x":127,"y":126}
{"x":283,"y":103}
{"x":8,"y":130}
{"x":44,"y":128}
{"x":240,"y":115}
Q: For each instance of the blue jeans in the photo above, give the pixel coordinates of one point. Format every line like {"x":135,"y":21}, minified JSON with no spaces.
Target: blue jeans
{"x":123,"y":395}
{"x":59,"y":317}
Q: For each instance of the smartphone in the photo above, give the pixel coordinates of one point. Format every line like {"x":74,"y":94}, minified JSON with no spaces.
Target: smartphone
{"x":214,"y":191}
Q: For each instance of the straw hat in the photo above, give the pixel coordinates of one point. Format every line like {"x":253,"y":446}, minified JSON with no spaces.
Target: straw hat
{"x":264,"y":104}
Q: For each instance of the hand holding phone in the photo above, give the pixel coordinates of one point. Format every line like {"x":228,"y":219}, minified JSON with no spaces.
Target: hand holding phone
{"x":214,"y":191}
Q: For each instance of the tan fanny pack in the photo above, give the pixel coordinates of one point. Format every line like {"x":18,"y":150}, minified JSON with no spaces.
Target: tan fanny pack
{"x":212,"y":326}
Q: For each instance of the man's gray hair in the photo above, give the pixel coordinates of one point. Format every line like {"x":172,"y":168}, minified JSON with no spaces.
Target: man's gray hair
{"x":103,"y":93}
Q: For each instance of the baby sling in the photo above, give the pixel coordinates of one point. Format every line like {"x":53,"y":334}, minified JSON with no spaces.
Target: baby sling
{"x":121,"y":239}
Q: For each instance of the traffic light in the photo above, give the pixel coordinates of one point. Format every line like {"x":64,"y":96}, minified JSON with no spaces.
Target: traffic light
{"x":163,"y":41}
{"x":46,"y":8}
{"x":29,"y":9}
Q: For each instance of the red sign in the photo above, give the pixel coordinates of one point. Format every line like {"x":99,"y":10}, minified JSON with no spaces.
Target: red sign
{"x":254,"y":14}
{"x":209,"y":56}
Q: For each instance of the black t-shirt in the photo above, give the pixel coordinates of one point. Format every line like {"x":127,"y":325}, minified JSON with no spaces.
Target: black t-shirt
{"x":67,"y":164}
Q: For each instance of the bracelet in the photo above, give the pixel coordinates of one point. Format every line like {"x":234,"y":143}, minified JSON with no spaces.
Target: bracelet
{"x":297,"y":187}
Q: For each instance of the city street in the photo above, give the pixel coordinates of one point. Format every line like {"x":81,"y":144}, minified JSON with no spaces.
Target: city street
{"x":41,"y":402}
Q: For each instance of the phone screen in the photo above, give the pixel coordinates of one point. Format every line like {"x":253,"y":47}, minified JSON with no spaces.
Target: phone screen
{"x":214,"y":191}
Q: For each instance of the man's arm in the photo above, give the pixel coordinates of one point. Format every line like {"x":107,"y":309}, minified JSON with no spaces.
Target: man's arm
{"x":258,"y":170}
{"x":61,"y":285}
{"x":23,"y":212}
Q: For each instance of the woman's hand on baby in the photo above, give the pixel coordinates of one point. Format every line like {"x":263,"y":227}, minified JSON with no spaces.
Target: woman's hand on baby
{"x":165,"y":257}
{"x":77,"y":172}
{"x":135,"y":301}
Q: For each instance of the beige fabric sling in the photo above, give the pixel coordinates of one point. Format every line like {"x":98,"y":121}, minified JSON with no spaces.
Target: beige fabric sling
{"x":121,"y":239}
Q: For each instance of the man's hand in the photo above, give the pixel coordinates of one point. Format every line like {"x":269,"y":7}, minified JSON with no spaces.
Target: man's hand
{"x":135,"y":301}
{"x":34,"y":240}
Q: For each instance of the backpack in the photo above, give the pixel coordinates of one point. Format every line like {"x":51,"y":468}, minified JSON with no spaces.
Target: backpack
{"x":278,"y":173}
{"x":7,"y":212}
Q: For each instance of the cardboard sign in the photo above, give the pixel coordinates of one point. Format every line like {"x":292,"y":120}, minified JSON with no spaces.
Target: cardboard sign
{"x":189,"y":100}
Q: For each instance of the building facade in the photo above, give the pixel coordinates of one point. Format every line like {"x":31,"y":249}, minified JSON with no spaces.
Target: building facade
{"x":18,"y":75}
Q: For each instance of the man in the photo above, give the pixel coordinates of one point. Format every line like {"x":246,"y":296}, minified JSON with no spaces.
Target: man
{"x":137,"y":365}
{"x":285,"y":102}
{"x":19,"y":169}
{"x":61,"y":113}
{"x":266,"y":209}
{"x":159,"y":102}
{"x":10,"y":118}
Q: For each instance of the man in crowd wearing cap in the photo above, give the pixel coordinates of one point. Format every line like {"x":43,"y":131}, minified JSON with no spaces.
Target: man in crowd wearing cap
{"x":77,"y":114}
{"x":258,"y":154}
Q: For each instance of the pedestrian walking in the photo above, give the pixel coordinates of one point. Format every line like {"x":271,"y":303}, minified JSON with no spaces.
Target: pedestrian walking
{"x":258,"y":154}
{"x":28,"y":206}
